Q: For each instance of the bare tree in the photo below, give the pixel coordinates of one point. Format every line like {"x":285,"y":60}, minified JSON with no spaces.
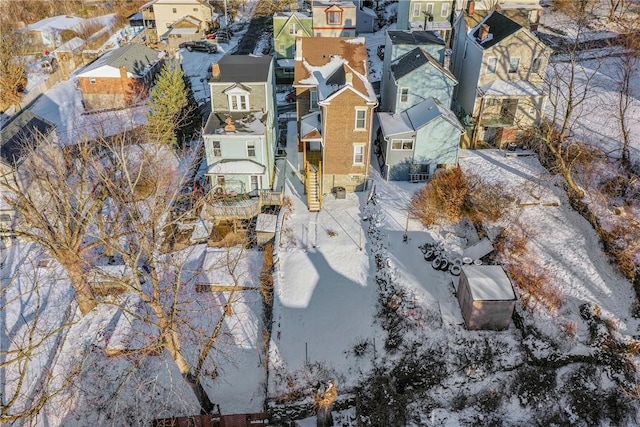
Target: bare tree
{"x":569,"y":87}
{"x":30,"y":341}
{"x":56,"y":194}
{"x":13,"y":75}
{"x":146,"y":191}
{"x":626,"y":68}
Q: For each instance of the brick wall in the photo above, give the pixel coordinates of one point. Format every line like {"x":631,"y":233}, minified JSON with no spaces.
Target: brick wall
{"x":111,"y":92}
{"x":340,"y":136}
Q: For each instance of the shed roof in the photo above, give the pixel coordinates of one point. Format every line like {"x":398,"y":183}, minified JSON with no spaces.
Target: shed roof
{"x":243,"y":68}
{"x":135,"y":57}
{"x":488,"y":283}
{"x":266,"y":223}
{"x":22,"y":129}
{"x":415,"y":37}
{"x":428,"y":110}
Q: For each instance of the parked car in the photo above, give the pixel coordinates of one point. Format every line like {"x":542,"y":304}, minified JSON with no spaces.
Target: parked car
{"x":201,"y":46}
{"x":291,"y":96}
{"x":221,"y":36}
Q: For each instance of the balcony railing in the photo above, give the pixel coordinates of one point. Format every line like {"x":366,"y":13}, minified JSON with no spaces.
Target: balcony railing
{"x":243,"y":207}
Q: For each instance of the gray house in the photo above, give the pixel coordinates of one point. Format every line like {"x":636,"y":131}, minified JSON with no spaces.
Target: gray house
{"x":23,"y":132}
{"x":417,"y":141}
{"x":240,"y":133}
{"x":418,"y":132}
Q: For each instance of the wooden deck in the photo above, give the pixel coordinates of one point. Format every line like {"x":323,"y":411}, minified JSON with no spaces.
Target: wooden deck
{"x":244,"y":208}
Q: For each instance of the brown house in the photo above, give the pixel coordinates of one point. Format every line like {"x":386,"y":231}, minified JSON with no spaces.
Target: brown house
{"x":120,"y":77}
{"x":335,"y":103}
{"x":486,"y":297}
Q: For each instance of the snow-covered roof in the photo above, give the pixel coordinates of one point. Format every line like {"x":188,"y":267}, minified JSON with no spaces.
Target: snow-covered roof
{"x":488,"y":283}
{"x":510,"y":88}
{"x":516,"y":5}
{"x":71,"y":45}
{"x":328,"y":61}
{"x":311,"y":126}
{"x":236,"y":167}
{"x":230,"y":267}
{"x":266,"y":223}
{"x":248,"y":123}
{"x":55,"y":24}
{"x":135,"y":57}
{"x":394,"y":124}
{"x":415,"y":59}
{"x":370,"y":12}
{"x":428,"y":110}
{"x":286,"y":63}
{"x":183,"y":31}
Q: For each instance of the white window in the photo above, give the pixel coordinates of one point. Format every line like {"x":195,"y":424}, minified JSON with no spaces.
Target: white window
{"x":446,"y":10}
{"x":361,"y":119}
{"x":358,"y":154}
{"x":492,"y":62}
{"x":334,"y":18}
{"x":217,"y":151}
{"x":402,"y":144}
{"x":429,"y":9}
{"x":293,"y":29}
{"x":314,"y":99}
{"x":536,"y":65}
{"x":404,"y":94}
{"x":416,"y":10}
{"x":282,"y":49}
{"x":251,"y":149}
{"x":92,"y":80}
{"x":254,"y":183}
{"x":238,"y":102}
{"x":514,"y":63}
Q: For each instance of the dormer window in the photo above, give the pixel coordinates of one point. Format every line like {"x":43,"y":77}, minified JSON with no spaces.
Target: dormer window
{"x":334,"y":15}
{"x":293,"y":29}
{"x":238,"y":98}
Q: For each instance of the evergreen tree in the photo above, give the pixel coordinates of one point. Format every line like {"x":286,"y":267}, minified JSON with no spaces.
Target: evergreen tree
{"x":170,"y":104}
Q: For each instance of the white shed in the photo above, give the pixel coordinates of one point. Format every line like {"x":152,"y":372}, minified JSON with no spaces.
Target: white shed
{"x":486,"y":297}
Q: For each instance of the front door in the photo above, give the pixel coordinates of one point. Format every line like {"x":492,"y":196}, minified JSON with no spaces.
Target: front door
{"x":254,"y":183}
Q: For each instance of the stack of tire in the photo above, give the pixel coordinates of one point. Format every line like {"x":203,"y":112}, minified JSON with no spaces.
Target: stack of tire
{"x":440,"y":260}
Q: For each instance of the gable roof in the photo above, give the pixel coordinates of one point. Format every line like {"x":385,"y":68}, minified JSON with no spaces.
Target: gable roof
{"x":243,"y":68}
{"x":55,"y":24}
{"x":293,"y":16}
{"x":327,"y":62}
{"x":500,"y":27}
{"x":188,"y":19}
{"x":415,"y":59}
{"x":414,"y":37}
{"x":135,"y":57}
{"x":19,"y":131}
{"x":428,"y":110}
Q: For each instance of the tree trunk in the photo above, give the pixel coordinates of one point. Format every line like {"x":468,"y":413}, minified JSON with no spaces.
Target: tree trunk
{"x":84,"y":294}
{"x":324,"y":417}
{"x":172,"y":344}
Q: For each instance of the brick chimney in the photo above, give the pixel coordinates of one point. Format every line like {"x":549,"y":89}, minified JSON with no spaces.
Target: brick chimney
{"x":471,"y":8}
{"x":484,"y":32}
{"x":215,"y":70}
{"x":230,"y":127}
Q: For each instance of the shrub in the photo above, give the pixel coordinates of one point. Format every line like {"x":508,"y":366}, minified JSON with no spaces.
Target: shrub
{"x":536,"y":286}
{"x":451,"y":195}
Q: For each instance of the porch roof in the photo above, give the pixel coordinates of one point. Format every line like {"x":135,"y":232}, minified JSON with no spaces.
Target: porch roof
{"x":236,"y":167}
{"x":394,"y":124}
{"x":510,"y":88}
{"x":311,"y":126}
